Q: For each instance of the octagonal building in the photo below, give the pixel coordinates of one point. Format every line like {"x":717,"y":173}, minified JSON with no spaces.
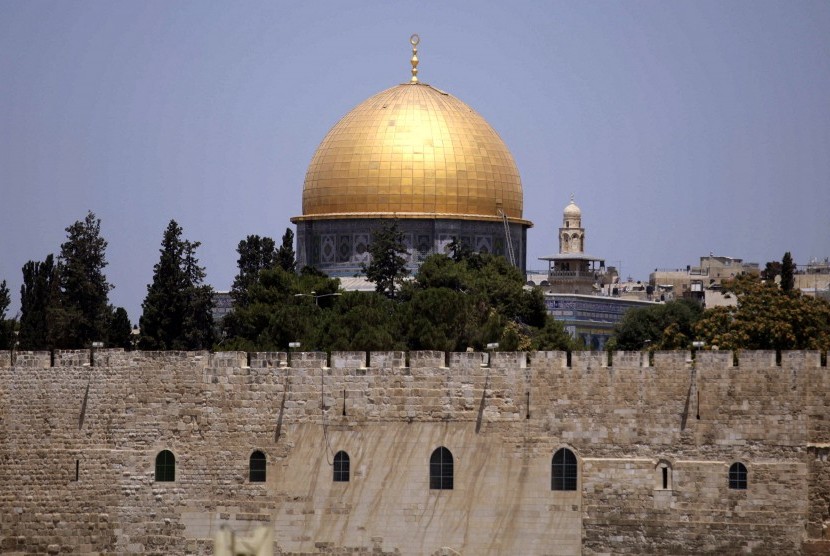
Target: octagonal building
{"x":418,"y":156}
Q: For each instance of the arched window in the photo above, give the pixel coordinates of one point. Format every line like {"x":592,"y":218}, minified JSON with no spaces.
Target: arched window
{"x":737,"y":476}
{"x":664,"y":472}
{"x":165,"y":466}
{"x":563,"y":470}
{"x":256,"y":468}
{"x":440,"y":469}
{"x":341,"y":467}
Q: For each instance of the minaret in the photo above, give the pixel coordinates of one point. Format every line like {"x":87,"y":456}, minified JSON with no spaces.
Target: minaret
{"x":572,"y":234}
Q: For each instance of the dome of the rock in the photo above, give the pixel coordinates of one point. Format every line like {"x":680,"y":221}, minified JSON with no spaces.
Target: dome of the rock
{"x":419,"y":157}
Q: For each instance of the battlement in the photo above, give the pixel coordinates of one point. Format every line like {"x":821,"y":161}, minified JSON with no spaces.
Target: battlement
{"x":347,"y":360}
{"x":100,"y":418}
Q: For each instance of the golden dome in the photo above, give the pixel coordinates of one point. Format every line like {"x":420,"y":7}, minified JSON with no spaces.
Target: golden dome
{"x":412,"y":151}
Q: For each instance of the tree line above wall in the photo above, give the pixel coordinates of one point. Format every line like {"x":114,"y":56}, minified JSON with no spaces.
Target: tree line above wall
{"x":457,"y":302}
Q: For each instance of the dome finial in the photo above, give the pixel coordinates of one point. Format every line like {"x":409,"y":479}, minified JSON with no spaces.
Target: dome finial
{"x":572,"y":197}
{"x":414,"y":40}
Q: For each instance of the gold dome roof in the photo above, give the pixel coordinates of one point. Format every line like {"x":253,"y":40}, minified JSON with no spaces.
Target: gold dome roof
{"x":412,"y":151}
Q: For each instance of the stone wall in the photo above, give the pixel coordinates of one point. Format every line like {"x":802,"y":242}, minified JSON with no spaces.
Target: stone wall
{"x":80,"y":431}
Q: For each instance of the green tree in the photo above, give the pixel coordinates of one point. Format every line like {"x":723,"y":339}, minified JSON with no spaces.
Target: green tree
{"x":286,"y":257}
{"x":176,"y":311}
{"x":282,"y":307}
{"x":361,"y":321}
{"x":39,"y":295}
{"x":255,"y":254}
{"x":120,"y":334}
{"x":84,"y":287}
{"x":766,"y":317}
{"x":771,"y":270}
{"x":552,"y":336}
{"x":387,"y":267}
{"x":658,"y":327}
{"x":470,"y":302}
{"x":787,"y":273}
{"x":6,"y":325}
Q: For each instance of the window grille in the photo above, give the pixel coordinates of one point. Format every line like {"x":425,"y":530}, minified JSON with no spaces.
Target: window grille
{"x":563,"y":470}
{"x":441,"y":469}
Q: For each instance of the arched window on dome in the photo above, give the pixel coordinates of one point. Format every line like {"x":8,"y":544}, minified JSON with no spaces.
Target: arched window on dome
{"x":564,"y":470}
{"x":341,"y":467}
{"x":256,"y":467}
{"x":165,"y":467}
{"x":441,"y":469}
{"x":737,"y":476}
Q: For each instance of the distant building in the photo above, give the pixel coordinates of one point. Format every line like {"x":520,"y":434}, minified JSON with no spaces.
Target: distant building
{"x":695,"y":281}
{"x":581,"y":292}
{"x":814,"y":278}
{"x":222,"y":305}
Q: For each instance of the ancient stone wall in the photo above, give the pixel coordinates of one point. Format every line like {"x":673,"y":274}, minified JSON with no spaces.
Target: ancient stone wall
{"x":80,"y":431}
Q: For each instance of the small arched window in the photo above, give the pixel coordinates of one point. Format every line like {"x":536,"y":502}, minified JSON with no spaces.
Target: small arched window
{"x":341,"y":467}
{"x":563,"y":470}
{"x":664,"y":472}
{"x":165,"y":466}
{"x":256,"y":467}
{"x":440,"y":469}
{"x":737,"y":476}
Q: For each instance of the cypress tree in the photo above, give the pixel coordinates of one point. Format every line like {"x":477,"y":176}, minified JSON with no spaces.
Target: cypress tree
{"x":38,"y":297}
{"x":787,"y":273}
{"x":286,"y":257}
{"x":255,"y":254}
{"x":84,"y":290}
{"x":176,"y":311}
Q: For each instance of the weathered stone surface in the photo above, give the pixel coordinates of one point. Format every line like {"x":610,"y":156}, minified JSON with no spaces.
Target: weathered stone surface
{"x":78,"y":443}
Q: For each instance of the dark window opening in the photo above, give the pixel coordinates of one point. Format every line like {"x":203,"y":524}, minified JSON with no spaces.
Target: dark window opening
{"x":441,"y":469}
{"x":737,"y":476}
{"x":341,"y":467}
{"x":563,"y":470}
{"x":256,"y":473}
{"x":165,"y":466}
{"x":665,"y":477}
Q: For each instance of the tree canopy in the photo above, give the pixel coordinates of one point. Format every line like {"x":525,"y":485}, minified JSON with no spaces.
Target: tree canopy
{"x":39,"y":296}
{"x":84,"y":290}
{"x":255,"y":254}
{"x":6,"y":325}
{"x":448,"y":305}
{"x":177,"y":309}
{"x":659,"y":327}
{"x":387,"y":267}
{"x":766,"y":317}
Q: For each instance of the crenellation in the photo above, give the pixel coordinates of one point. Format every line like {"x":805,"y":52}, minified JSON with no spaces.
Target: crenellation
{"x":586,"y":360}
{"x":348,"y":360}
{"x":502,"y":424}
{"x":508,"y":360}
{"x":713,"y":359}
{"x":671,"y":359}
{"x":798,"y":360}
{"x":387,"y":359}
{"x":426,"y":359}
{"x":760,"y":359}
{"x":308,"y":359}
{"x":228,"y":359}
{"x":268,"y":359}
{"x":32,"y":359}
{"x":627,"y":359}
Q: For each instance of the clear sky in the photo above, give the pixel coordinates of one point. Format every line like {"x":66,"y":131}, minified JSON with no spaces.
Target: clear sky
{"x":682,"y":128}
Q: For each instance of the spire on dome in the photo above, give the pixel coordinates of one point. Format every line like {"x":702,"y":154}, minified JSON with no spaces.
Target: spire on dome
{"x":414,"y":40}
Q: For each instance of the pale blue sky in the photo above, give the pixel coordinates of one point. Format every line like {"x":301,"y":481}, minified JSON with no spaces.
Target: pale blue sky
{"x":681,"y":127}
